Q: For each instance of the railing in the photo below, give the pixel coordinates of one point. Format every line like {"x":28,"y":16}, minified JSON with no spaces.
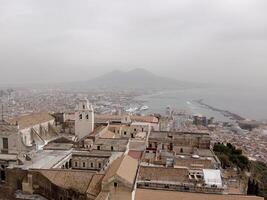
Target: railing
{"x":181,"y":187}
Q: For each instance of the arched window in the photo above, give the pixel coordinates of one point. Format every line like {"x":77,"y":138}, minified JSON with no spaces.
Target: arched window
{"x":81,"y":116}
{"x":83,"y":106}
{"x":87,"y":116}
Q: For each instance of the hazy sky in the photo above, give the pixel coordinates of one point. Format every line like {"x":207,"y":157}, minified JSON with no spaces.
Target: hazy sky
{"x":66,"y":40}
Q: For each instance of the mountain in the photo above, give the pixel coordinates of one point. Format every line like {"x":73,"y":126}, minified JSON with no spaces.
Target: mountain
{"x":134,"y":79}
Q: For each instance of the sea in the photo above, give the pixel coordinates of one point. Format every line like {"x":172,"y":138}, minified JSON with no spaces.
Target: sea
{"x":247,"y":102}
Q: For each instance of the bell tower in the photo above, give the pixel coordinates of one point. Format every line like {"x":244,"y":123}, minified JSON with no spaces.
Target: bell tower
{"x":84,"y":118}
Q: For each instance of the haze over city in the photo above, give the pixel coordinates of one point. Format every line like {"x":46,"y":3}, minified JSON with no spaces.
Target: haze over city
{"x":133,"y":99}
{"x":202,"y":41}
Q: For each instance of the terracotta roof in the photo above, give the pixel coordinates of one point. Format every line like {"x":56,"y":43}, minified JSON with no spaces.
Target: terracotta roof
{"x":143,"y":194}
{"x":104,"y":118}
{"x":149,"y":119}
{"x":135,"y":154}
{"x":163,"y":174}
{"x":128,"y":169}
{"x":113,"y":168}
{"x":137,"y":145}
{"x":108,"y":134}
{"x":31,"y":120}
{"x":82,"y":181}
{"x":94,"y":188}
{"x":124,"y":167}
{"x":102,"y":196}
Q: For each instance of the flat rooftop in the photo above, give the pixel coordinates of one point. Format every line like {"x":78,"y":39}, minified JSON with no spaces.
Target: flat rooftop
{"x":163,"y":174}
{"x":45,"y":159}
{"x":146,"y":194}
{"x":58,"y":146}
{"x":93,"y":153}
{"x":111,"y":141}
{"x":166,"y":134}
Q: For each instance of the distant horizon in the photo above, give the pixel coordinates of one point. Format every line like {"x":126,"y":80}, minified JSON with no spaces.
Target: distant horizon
{"x":26,"y":85}
{"x":221,"y":42}
{"x":98,"y":76}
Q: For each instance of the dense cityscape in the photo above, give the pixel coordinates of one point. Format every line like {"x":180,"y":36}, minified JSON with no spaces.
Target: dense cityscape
{"x":120,"y":129}
{"x":133,"y":100}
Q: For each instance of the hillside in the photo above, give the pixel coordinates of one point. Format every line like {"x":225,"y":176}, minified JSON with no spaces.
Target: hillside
{"x":134,"y":79}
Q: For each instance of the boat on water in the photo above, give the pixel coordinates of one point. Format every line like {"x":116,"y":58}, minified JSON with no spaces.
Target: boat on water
{"x":131,"y":110}
{"x":144,"y":108}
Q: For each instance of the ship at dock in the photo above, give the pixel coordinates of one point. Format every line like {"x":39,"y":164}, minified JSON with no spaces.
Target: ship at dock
{"x":143,"y":108}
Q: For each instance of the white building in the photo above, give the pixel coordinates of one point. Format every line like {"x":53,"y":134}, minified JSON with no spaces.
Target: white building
{"x":84,"y":119}
{"x":213,"y":177}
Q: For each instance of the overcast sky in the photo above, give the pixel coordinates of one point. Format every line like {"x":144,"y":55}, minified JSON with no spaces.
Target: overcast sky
{"x":69,"y":40}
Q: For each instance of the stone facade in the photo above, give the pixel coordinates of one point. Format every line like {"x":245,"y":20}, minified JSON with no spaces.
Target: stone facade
{"x":84,"y":119}
{"x":120,"y":145}
{"x":90,"y":161}
{"x":182,"y":140}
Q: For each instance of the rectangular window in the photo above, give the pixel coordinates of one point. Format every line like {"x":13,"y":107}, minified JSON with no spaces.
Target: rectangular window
{"x":115,"y":184}
{"x":5,"y":143}
{"x":76,"y":164}
{"x":99,"y":165}
{"x":83,"y":164}
{"x":92,"y":165}
{"x":98,"y":147}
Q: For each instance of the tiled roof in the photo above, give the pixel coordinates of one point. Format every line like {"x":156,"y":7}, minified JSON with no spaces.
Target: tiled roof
{"x":163,"y":174}
{"x":94,"y":188}
{"x":128,"y":169}
{"x":81,"y":181}
{"x":102,"y":196}
{"x":135,"y":154}
{"x":149,"y":119}
{"x":31,"y":120}
{"x":144,"y":194}
{"x":124,"y":167}
{"x":108,"y":134}
{"x":113,"y":168}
